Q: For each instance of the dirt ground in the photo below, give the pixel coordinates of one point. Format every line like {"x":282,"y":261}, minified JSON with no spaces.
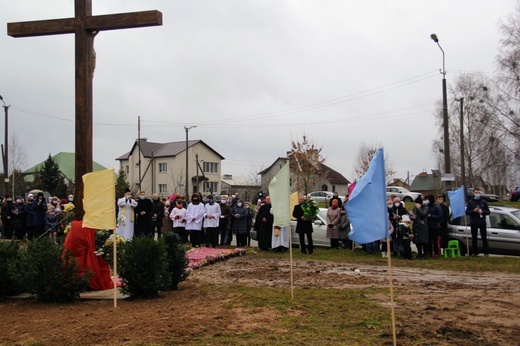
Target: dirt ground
{"x":481,"y":308}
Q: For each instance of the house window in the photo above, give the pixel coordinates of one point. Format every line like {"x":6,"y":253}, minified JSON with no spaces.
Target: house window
{"x":163,"y":189}
{"x":210,"y":167}
{"x":163,"y":167}
{"x":127,"y":169}
{"x":210,"y":187}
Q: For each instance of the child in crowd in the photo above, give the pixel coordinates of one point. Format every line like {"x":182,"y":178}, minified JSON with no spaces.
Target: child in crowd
{"x":51,"y":221}
{"x":405,"y":236}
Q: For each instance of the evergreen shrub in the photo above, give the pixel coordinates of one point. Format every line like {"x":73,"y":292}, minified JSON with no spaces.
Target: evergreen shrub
{"x":143,"y":268}
{"x":8,"y":257}
{"x":45,"y":271}
{"x":177,"y":260}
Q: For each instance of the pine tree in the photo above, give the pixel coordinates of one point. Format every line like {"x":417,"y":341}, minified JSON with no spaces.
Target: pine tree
{"x":121,"y":183}
{"x":50,"y":175}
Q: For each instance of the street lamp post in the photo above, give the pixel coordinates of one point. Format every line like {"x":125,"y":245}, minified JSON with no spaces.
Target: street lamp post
{"x":447,"y":160}
{"x":6,"y":152}
{"x":462,"y":168}
{"x":187,"y":129}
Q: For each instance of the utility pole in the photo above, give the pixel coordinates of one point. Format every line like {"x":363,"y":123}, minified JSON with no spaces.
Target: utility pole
{"x":139,"y":149}
{"x":197,"y":164}
{"x":187,"y":129}
{"x":6,"y":149}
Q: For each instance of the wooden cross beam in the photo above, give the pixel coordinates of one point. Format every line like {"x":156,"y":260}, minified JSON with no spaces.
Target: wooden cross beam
{"x":84,"y":26}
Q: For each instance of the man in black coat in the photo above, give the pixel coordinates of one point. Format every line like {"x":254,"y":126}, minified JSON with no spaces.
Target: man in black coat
{"x":143,"y":216}
{"x":157,"y":214}
{"x":303,"y":227}
{"x":265,"y":219}
{"x":477,"y":209}
{"x":444,"y":221}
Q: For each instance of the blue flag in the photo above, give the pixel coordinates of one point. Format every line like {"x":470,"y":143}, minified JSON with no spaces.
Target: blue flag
{"x":367,"y":209}
{"x":457,"y":202}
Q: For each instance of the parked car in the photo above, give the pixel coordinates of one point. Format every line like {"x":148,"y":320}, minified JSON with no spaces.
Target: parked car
{"x":503,"y":231}
{"x":515,"y":194}
{"x":404,"y":194}
{"x":321,"y":196}
{"x":319,"y":228}
{"x":487,"y":196}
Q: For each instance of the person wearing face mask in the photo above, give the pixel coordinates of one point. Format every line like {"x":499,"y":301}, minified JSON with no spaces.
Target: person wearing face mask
{"x":194,"y":218}
{"x":249,"y":220}
{"x":396,"y":215}
{"x":36,"y":210}
{"x":178,"y":217}
{"x":223,"y":224}
{"x":157,"y":215}
{"x":264,"y":221}
{"x":18,"y":212}
{"x":126,"y":206}
{"x":333,"y":218}
{"x":143,"y":216}
{"x":70,"y":199}
{"x":434,"y":225}
{"x":239,"y":225}
{"x":420,"y":227}
{"x":7,"y":206}
{"x":211,"y":221}
{"x":477,"y":209}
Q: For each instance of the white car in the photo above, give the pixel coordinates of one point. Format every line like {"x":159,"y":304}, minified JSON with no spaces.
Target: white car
{"x":319,"y":231}
{"x":404,"y":194}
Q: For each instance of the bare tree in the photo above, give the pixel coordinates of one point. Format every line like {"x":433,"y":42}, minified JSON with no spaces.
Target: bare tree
{"x":364,"y":157}
{"x":306,"y":164}
{"x":17,"y":162}
{"x":177,"y":181}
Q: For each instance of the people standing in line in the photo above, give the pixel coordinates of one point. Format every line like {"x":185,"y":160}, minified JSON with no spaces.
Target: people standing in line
{"x":333,"y":218}
{"x":157,"y":215}
{"x":19,"y":217}
{"x":265,"y":220}
{"x":443,"y":232}
{"x":239,"y":226}
{"x":211,"y":221}
{"x":303,"y":227}
{"x":249,"y":220}
{"x":434,"y":225}
{"x":235,"y":200}
{"x":7,"y":211}
{"x":178,"y":217}
{"x":126,"y":205}
{"x":477,"y":209}
{"x":223,"y":224}
{"x":143,"y":216}
{"x":194,"y":218}
{"x":336,"y":197}
{"x":420,"y":228}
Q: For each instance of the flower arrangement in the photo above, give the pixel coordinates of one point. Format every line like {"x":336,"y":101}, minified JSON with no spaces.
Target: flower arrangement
{"x":105,"y":244}
{"x":69,"y":208}
{"x":310,"y":209}
{"x":121,"y":220}
{"x":67,"y":228}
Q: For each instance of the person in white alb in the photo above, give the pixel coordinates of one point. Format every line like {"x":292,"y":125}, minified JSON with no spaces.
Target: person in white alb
{"x":194,"y":216}
{"x":211,"y":221}
{"x":178,"y":217}
{"x":125,"y":227}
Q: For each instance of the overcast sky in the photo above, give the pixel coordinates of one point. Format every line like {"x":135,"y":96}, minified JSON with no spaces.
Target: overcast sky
{"x":252,"y":75}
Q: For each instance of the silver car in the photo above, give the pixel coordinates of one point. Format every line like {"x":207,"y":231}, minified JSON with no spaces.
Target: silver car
{"x":404,"y":194}
{"x":319,"y":228}
{"x":503,"y":231}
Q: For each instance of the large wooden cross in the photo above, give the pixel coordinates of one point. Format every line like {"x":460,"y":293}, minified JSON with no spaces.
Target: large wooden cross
{"x":84,"y":26}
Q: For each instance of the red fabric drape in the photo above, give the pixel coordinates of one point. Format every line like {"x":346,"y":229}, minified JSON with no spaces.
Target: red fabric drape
{"x":82,"y":243}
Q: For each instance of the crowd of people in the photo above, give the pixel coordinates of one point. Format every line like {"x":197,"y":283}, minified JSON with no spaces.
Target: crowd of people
{"x":210,"y":223}
{"x":34,"y":217}
{"x":199,"y":221}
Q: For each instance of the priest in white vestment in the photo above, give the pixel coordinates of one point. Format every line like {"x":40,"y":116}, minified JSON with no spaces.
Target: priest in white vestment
{"x":125,"y":219}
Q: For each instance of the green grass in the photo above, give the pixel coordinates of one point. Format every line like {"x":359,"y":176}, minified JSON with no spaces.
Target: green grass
{"x":505,"y":264}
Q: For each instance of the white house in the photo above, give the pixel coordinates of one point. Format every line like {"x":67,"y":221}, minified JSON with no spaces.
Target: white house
{"x":161,"y":167}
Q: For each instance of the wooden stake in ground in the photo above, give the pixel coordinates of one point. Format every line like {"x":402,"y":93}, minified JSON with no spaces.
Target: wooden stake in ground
{"x":115,"y":267}
{"x":391,"y":289}
{"x":467,"y":235}
{"x":85,"y":27}
{"x":291,"y":259}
